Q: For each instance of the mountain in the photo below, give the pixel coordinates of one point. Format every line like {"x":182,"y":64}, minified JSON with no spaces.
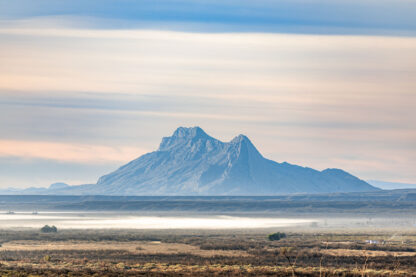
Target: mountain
{"x":190,"y":162}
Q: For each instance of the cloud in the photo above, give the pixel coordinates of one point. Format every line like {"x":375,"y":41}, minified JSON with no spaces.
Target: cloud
{"x":299,"y":16}
{"x":275,"y":66}
{"x":68,"y":152}
{"x":315,"y":100}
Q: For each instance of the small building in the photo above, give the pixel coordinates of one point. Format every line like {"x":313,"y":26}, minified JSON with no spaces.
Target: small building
{"x":370,"y":241}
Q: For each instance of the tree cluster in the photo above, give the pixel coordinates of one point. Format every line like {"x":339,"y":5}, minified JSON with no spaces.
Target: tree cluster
{"x":276,"y":236}
{"x":49,"y":229}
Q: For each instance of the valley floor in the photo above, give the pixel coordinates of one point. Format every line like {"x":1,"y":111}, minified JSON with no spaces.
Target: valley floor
{"x":309,"y":252}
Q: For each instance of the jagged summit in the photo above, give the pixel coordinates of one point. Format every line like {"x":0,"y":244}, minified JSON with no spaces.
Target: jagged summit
{"x":240,"y":138}
{"x":189,"y":132}
{"x":190,"y":162}
{"x":184,"y":134}
{"x":185,"y":137}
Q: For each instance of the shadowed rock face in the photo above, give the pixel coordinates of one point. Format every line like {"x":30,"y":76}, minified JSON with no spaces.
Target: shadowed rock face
{"x":190,"y":162}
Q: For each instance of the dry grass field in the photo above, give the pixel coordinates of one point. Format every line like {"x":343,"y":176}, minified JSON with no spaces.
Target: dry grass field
{"x":207,"y":253}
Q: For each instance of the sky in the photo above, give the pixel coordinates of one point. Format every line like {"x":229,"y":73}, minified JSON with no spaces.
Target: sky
{"x":86,"y":86}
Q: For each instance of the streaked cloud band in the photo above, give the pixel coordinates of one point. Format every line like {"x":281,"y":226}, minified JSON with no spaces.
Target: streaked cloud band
{"x":94,"y":95}
{"x":68,"y":152}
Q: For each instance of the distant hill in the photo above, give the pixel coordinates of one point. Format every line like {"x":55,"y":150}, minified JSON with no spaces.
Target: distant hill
{"x":380,"y":202}
{"x":391,"y":185}
{"x":190,"y":162}
{"x":55,"y":188}
{"x":58,"y":186}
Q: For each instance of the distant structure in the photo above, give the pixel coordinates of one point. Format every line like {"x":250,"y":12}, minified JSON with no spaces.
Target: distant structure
{"x":375,"y":241}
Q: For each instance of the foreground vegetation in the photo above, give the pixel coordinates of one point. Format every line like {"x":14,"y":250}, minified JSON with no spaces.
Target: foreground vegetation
{"x":206,"y":253}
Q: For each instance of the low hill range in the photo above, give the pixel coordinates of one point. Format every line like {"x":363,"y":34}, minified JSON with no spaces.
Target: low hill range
{"x":192,"y":163}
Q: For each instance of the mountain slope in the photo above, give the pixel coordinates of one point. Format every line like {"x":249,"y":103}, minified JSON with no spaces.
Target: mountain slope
{"x":190,"y":162}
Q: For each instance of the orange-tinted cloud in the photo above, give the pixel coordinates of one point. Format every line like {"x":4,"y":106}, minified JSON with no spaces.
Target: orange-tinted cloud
{"x":68,"y":152}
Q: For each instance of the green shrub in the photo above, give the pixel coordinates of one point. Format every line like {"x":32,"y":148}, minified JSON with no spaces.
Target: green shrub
{"x":49,"y":229}
{"x":276,"y":236}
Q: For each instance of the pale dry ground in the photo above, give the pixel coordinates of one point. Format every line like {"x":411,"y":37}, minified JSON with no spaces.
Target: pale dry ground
{"x":149,"y":247}
{"x":363,"y":253}
{"x":156,"y":247}
{"x":317,"y":252}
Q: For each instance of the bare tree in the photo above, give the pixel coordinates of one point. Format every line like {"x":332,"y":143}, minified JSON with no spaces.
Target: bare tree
{"x":365,"y":264}
{"x":321,"y":260}
{"x":396,"y":264}
{"x":285,"y":252}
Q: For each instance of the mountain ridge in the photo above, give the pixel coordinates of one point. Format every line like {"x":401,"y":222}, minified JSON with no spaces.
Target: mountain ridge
{"x":192,"y":163}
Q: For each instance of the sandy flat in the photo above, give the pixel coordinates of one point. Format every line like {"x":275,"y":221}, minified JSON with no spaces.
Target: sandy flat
{"x":148,"y":247}
{"x":372,"y":253}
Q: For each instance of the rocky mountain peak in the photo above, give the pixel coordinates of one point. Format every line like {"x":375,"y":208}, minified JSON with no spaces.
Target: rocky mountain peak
{"x":183,"y":137}
{"x":243,"y":144}
{"x":189,"y":132}
{"x":190,"y":162}
{"x":240,"y":138}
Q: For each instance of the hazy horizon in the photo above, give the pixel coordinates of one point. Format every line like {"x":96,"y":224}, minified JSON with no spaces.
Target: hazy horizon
{"x":376,"y":183}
